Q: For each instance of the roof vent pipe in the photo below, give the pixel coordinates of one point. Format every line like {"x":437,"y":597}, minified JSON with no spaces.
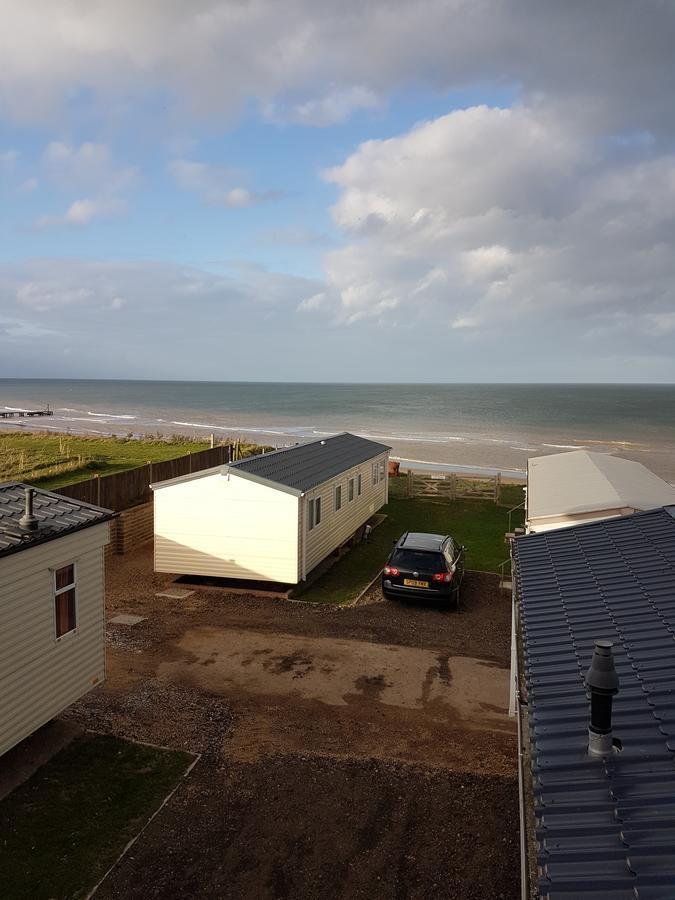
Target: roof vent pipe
{"x":28,"y":520}
{"x":603,"y":683}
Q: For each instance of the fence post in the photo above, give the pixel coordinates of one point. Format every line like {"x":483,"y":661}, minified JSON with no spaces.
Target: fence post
{"x":411,"y":484}
{"x":453,"y":486}
{"x":98,"y":489}
{"x":498,"y":487}
{"x":189,"y":463}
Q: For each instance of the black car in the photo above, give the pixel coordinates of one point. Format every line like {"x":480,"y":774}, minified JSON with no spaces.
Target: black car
{"x":424,"y":566}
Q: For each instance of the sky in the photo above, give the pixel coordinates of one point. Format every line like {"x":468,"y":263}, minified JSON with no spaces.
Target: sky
{"x":428,"y":190}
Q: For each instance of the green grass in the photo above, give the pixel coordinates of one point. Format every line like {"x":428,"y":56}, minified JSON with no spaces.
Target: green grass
{"x":30,"y":457}
{"x":478,"y":524}
{"x":63,"y":829}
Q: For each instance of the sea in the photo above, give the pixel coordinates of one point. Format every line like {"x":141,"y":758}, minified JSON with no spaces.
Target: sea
{"x":461,"y":427}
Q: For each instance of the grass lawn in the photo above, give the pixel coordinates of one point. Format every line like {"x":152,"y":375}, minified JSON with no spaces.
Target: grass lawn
{"x":32,"y":456}
{"x":63,"y":829}
{"x":477,"y":524}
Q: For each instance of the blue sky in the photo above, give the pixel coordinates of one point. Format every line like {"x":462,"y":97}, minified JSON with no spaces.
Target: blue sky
{"x":429,"y":191}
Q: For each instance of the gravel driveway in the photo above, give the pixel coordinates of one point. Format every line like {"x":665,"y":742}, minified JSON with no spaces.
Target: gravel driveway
{"x":347,"y":753}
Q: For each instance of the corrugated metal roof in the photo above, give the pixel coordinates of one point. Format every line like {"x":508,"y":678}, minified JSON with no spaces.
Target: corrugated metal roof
{"x":307,"y":465}
{"x":582,"y":481}
{"x":604,"y":828}
{"x":56,"y":516}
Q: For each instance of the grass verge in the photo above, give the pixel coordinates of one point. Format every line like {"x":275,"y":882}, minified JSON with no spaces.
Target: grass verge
{"x":52,"y":460}
{"x":478,"y":524}
{"x":64,"y":828}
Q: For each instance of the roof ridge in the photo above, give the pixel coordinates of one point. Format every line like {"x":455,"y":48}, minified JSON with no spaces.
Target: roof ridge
{"x":604,"y":475}
{"x":281,"y":450}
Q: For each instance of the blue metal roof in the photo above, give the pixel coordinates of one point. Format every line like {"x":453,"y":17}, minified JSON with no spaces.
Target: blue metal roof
{"x":604,"y":828}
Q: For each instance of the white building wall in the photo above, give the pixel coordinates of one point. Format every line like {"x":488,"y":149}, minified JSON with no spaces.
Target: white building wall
{"x":41,"y":675}
{"x":336,"y":527}
{"x":226,"y":527}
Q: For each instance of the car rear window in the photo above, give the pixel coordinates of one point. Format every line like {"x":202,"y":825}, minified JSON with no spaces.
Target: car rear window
{"x":417,"y":559}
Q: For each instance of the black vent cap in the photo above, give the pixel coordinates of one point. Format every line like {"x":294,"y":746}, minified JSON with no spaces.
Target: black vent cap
{"x":601,"y":676}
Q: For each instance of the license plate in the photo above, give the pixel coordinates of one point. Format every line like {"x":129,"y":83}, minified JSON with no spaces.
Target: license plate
{"x":408,"y":582}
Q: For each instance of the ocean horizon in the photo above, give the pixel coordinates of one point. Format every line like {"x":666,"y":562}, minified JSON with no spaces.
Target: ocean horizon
{"x":477,"y":426}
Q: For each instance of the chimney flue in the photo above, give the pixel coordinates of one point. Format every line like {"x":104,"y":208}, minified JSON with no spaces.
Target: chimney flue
{"x":28,"y":520}
{"x":603,"y":683}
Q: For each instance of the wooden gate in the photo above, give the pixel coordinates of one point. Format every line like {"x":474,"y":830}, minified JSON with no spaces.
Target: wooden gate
{"x":454,"y":486}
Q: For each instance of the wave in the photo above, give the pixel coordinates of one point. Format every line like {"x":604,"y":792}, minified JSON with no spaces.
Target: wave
{"x":15,"y":408}
{"x":564,"y":446}
{"x":105,"y":415}
{"x":231,"y":429}
{"x":67,"y":409}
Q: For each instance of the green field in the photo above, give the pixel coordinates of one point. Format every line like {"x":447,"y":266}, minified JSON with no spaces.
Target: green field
{"x":52,"y":460}
{"x":478,"y":524}
{"x":64,"y":828}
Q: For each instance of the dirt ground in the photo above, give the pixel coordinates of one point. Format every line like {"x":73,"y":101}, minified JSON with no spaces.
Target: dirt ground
{"x":360,"y":752}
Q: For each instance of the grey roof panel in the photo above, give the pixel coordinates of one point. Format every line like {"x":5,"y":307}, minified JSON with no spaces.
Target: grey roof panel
{"x":305,"y":466}
{"x":604,"y":829}
{"x":56,"y":516}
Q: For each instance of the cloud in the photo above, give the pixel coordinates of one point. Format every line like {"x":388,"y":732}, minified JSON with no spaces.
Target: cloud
{"x":495,"y":220}
{"x":29,"y":185}
{"x":88,"y":167}
{"x":609,"y":66}
{"x":165,"y":319}
{"x":214,"y":184}
{"x":329,"y":109}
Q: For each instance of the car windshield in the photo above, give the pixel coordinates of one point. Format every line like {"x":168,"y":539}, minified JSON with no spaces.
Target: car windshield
{"x":417,"y":559}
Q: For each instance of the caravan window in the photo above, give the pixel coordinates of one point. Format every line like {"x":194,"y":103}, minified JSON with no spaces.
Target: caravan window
{"x":314,"y":513}
{"x":65,"y":600}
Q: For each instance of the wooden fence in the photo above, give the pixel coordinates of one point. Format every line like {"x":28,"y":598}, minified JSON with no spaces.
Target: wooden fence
{"x":454,"y":486}
{"x":132,"y":487}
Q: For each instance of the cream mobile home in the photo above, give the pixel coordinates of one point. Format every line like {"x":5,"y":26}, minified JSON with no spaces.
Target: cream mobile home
{"x":272,"y":517}
{"x":52,"y":630}
{"x":566,"y":489}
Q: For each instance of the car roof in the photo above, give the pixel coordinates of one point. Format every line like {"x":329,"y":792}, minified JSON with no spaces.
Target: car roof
{"x":417,"y":540}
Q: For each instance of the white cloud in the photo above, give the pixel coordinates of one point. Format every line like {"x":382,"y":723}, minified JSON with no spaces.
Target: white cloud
{"x":489,"y":219}
{"x":214,"y":184}
{"x":82,"y":212}
{"x":29,"y":185}
{"x":336,"y":105}
{"x":316,"y":301}
{"x":87,"y":167}
{"x":318,"y":59}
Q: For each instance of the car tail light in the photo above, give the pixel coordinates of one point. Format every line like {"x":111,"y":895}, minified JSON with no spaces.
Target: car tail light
{"x":443,"y":576}
{"x":391,"y":570}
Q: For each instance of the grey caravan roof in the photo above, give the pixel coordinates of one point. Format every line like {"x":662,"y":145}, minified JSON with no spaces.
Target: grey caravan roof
{"x":305,"y":466}
{"x":604,"y":829}
{"x":56,"y":515}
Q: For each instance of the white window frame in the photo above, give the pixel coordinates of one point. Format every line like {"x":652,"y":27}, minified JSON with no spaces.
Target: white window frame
{"x":56,"y":592}
{"x":337,"y":493}
{"x":351,"y":489}
{"x":382,"y":470}
{"x":376,"y":472}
